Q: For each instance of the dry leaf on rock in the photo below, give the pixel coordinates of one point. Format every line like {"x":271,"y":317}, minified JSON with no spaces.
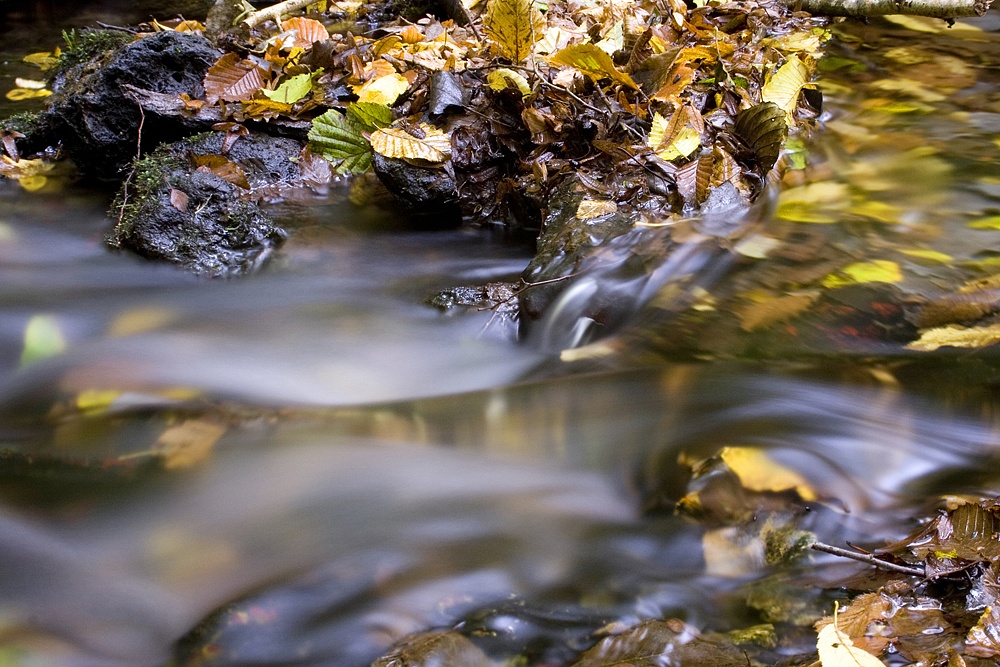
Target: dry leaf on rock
{"x":231,"y":79}
{"x":393,"y":142}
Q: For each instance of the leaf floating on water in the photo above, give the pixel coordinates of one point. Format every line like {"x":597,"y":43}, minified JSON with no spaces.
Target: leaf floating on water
{"x":785,"y":84}
{"x":763,"y":129}
{"x":817,"y":203}
{"x":503,"y":78}
{"x":514,"y":26}
{"x":594,"y":62}
{"x":339,"y":140}
{"x":43,"y":338}
{"x":433,"y":147}
{"x":836,"y":649}
{"x":930,"y":256}
{"x":231,"y":79}
{"x":991,"y":222}
{"x":188,"y":443}
{"x":956,"y":336}
{"x":19,"y":94}
{"x":595,"y":208}
{"x":759,"y":472}
{"x":443,"y":648}
{"x":875,"y":271}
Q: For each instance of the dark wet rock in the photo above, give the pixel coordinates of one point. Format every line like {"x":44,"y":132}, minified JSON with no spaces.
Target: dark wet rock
{"x":195,"y":217}
{"x":427,"y":190}
{"x":92,"y":113}
{"x":500,"y":297}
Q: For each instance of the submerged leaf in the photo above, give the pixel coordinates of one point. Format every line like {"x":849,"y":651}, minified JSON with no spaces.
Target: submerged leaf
{"x":594,"y":208}
{"x":594,"y":62}
{"x":514,"y":26}
{"x":759,"y":472}
{"x":188,"y":443}
{"x":43,"y":338}
{"x":340,"y":140}
{"x":393,"y":142}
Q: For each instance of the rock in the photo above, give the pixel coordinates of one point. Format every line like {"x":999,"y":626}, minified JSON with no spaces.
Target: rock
{"x":427,"y":190}
{"x":93,"y":115}
{"x":202,"y":218}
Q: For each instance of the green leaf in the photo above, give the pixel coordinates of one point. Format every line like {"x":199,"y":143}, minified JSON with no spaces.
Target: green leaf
{"x":43,"y":338}
{"x":291,"y":91}
{"x":370,"y":115}
{"x":340,"y":140}
{"x":515,"y":26}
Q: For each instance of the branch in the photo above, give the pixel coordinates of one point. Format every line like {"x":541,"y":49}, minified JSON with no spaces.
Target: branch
{"x":275,"y":12}
{"x":870,"y":559}
{"x":941,"y":9}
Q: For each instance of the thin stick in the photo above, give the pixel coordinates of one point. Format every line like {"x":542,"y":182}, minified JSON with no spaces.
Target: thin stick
{"x":941,"y":9}
{"x":870,"y":559}
{"x":131,"y":173}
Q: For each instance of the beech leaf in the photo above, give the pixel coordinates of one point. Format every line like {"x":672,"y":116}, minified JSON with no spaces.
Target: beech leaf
{"x":291,"y":91}
{"x":306,"y":30}
{"x":678,"y":136}
{"x":370,"y":115}
{"x":785,"y":84}
{"x":231,"y":79}
{"x":837,"y":650}
{"x":514,"y":26}
{"x":594,"y":208}
{"x":594,"y":62}
{"x":759,"y":472}
{"x":393,"y":142}
{"x":503,"y":78}
{"x":762,"y":128}
{"x":954,"y":335}
{"x":383,"y":90}
{"x":340,"y":140}
{"x":875,"y":271}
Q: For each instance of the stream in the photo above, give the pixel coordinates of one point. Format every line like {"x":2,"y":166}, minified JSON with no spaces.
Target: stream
{"x":376,"y":466}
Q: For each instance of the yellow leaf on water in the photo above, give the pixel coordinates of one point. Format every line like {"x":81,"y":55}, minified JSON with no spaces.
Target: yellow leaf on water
{"x":819,"y":202}
{"x":18,"y":94}
{"x":393,"y":142}
{"x":954,"y":335}
{"x":594,"y":62}
{"x":875,"y":271}
{"x":878,"y":211}
{"x":383,"y":90}
{"x":918,"y":23}
{"x":930,"y":256}
{"x":514,"y":26}
{"x":594,"y":208}
{"x":759,"y":472}
{"x":96,"y":400}
{"x":836,"y":649}
{"x":785,"y":84}
{"x":33,"y":183}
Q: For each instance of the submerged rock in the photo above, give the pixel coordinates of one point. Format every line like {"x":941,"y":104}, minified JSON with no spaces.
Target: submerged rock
{"x":202,"y":216}
{"x":91,"y":112}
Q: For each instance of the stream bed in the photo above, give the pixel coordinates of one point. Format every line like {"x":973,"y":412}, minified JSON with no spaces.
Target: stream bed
{"x":304,"y":466}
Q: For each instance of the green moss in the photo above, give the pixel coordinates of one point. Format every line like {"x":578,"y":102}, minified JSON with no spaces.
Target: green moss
{"x":140,"y":191}
{"x":88,"y":44}
{"x":26,"y":122}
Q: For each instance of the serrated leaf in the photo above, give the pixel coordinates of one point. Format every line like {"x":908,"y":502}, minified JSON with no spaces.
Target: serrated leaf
{"x":677,"y":137}
{"x":955,"y":335}
{"x":433,"y":147}
{"x":514,"y":26}
{"x":340,"y":140}
{"x":762,"y":128}
{"x":500,"y":79}
{"x":592,"y":61}
{"x":594,"y":208}
{"x":231,"y":79}
{"x":370,"y":115}
{"x":383,"y":90}
{"x":291,"y":91}
{"x":785,"y":84}
{"x":306,"y":30}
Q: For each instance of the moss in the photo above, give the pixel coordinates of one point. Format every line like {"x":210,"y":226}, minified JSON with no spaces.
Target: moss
{"x":26,"y":122}
{"x":87,"y":44}
{"x":148,"y":175}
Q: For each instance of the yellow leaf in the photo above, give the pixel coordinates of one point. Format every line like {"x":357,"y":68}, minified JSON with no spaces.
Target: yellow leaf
{"x":931,"y":256}
{"x":18,"y":94}
{"x":393,"y":142}
{"x":759,"y":472}
{"x":991,"y":222}
{"x":614,"y":39}
{"x":43,"y":59}
{"x":784,"y":86}
{"x":594,"y":208}
{"x":43,"y":338}
{"x":803,"y":40}
{"x":764,"y":314}
{"x":592,"y":61}
{"x":33,"y":183}
{"x":918,"y":23}
{"x":954,"y":335}
{"x":818,"y":202}
{"x":514,"y":26}
{"x":676,"y":137}
{"x":875,"y":271}
{"x":879,"y":211}
{"x":836,"y":649}
{"x":187,"y":444}
{"x":500,"y":79}
{"x":96,"y":400}
{"x":383,"y":90}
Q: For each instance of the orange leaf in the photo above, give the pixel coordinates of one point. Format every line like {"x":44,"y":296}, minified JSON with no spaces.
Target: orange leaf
{"x":306,"y":30}
{"x":231,"y":79}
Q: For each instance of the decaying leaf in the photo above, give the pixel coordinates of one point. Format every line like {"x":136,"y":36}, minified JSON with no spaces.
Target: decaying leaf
{"x":504,"y":77}
{"x":785,"y":84}
{"x":179,"y":200}
{"x":340,"y":140}
{"x":837,"y":650}
{"x":433,"y":147}
{"x":224,"y":168}
{"x":514,"y":26}
{"x":594,"y":208}
{"x":954,"y":335}
{"x":680,"y":136}
{"x":594,"y":62}
{"x":441,"y":648}
{"x":983,"y":640}
{"x":231,"y":79}
{"x":762,"y":128}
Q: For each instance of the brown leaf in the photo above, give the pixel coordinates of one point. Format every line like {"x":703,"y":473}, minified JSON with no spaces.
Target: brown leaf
{"x":188,"y":444}
{"x":442,"y":648}
{"x":766,"y":313}
{"x":224,"y":168}
{"x":231,"y":79}
{"x":179,"y":200}
{"x":307,"y":31}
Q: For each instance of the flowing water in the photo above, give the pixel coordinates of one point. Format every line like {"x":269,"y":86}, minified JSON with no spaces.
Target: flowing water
{"x":377,"y":467}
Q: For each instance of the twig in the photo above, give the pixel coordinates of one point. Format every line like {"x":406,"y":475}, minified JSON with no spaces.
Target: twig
{"x":275,"y":12}
{"x":131,"y":173}
{"x":108,"y":26}
{"x":872,"y":560}
{"x":941,"y":9}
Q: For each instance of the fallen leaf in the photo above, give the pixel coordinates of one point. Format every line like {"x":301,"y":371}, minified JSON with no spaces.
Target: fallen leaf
{"x":785,"y":84}
{"x":340,"y":140}
{"x":43,"y":338}
{"x":504,"y":77}
{"x":875,"y":271}
{"x":954,"y":335}
{"x":837,"y":650}
{"x":383,"y":90}
{"x":188,"y":443}
{"x":393,"y":142}
{"x":677,"y":137}
{"x":231,"y":79}
{"x":292,"y":90}
{"x":595,"y":208}
{"x":759,"y":472}
{"x":592,"y":61}
{"x":764,"y":314}
{"x":307,"y":31}
{"x":514,"y":26}
{"x":179,"y":199}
